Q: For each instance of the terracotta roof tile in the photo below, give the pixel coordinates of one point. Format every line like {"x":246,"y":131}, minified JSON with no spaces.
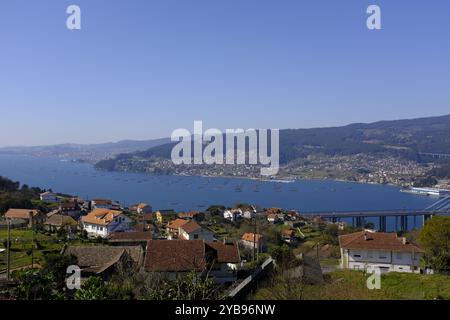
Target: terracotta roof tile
{"x":175,"y":255}
{"x":101,"y":216}
{"x":191,"y":214}
{"x":376,"y":241}
{"x":191,"y":226}
{"x":177,"y":223}
{"x":20,"y":213}
{"x":251,"y":237}
{"x":226,"y":252}
{"x":131,"y":236}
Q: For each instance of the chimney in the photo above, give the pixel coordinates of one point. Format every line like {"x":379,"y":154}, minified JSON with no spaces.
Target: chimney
{"x":365,"y":236}
{"x":404,"y":240}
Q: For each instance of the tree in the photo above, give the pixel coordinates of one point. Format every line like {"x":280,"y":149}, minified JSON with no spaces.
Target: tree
{"x":283,"y":255}
{"x":31,"y":284}
{"x":56,"y":264}
{"x":435,"y":239}
{"x":330,"y":234}
{"x":93,"y":289}
{"x":216,"y":210}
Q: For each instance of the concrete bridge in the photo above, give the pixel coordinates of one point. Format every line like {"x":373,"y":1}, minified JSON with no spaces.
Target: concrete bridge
{"x":441,"y":207}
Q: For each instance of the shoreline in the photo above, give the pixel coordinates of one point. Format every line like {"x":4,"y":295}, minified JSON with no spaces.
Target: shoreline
{"x":278,"y":180}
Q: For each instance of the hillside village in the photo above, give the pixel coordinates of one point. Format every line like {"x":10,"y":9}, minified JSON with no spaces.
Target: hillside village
{"x":234,"y":248}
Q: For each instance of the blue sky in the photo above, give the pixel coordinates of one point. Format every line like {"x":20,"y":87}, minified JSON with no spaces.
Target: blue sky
{"x":139,"y":69}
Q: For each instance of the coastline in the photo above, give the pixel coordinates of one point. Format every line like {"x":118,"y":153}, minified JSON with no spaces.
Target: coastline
{"x":277,"y":180}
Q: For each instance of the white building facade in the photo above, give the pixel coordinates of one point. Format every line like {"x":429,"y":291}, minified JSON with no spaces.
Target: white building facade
{"x":103,"y":222}
{"x":367,"y":250}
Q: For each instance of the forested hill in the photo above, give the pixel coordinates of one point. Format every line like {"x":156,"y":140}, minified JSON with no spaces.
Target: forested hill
{"x":13,"y":195}
{"x":407,"y":138}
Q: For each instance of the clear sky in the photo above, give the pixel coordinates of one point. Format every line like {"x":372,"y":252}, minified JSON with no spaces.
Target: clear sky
{"x":139,"y":69}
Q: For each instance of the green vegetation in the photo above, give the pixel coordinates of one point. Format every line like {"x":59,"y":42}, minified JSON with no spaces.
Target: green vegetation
{"x":21,"y":245}
{"x":93,"y":289}
{"x":12,"y":195}
{"x":47,"y":283}
{"x":351,"y":285}
{"x":435,"y":239}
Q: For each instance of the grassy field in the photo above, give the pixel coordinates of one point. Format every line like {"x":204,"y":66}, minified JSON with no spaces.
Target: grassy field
{"x":21,"y":244}
{"x":351,"y":285}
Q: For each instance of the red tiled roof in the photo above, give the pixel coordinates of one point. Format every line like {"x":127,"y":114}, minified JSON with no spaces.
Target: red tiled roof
{"x":175,"y":224}
{"x":226,"y":253}
{"x":21,"y":213}
{"x":102,"y":202}
{"x":175,"y":255}
{"x":191,"y":226}
{"x":146,"y":217}
{"x":101,"y":216}
{"x":138,"y":227}
{"x":376,"y":241}
{"x":132,"y":236}
{"x":251,"y":237}
{"x":190,"y":214}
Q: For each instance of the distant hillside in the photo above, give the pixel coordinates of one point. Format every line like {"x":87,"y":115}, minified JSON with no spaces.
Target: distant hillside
{"x":405,"y":138}
{"x":88,"y":152}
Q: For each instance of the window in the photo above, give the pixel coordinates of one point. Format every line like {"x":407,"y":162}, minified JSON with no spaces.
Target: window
{"x":195,"y":236}
{"x":357,"y":255}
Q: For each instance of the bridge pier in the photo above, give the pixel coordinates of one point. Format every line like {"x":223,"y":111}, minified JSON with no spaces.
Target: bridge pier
{"x":382,"y":224}
{"x":404,"y":223}
{"x":426,"y":217}
{"x":359,"y":222}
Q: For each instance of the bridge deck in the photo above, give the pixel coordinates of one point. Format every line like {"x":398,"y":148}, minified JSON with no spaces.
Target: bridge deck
{"x":390,"y":213}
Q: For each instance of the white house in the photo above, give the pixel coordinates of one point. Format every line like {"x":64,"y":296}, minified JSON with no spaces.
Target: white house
{"x":253,"y":240}
{"x":366,"y":250}
{"x":49,"y":197}
{"x":193,"y":231}
{"x":249,"y":214}
{"x":142,"y":208}
{"x":103,"y":222}
{"x":233,"y":214}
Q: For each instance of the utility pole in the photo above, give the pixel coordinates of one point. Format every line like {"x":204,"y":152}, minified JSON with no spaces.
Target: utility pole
{"x":32,"y":239}
{"x":8,"y":247}
{"x":254,"y":241}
